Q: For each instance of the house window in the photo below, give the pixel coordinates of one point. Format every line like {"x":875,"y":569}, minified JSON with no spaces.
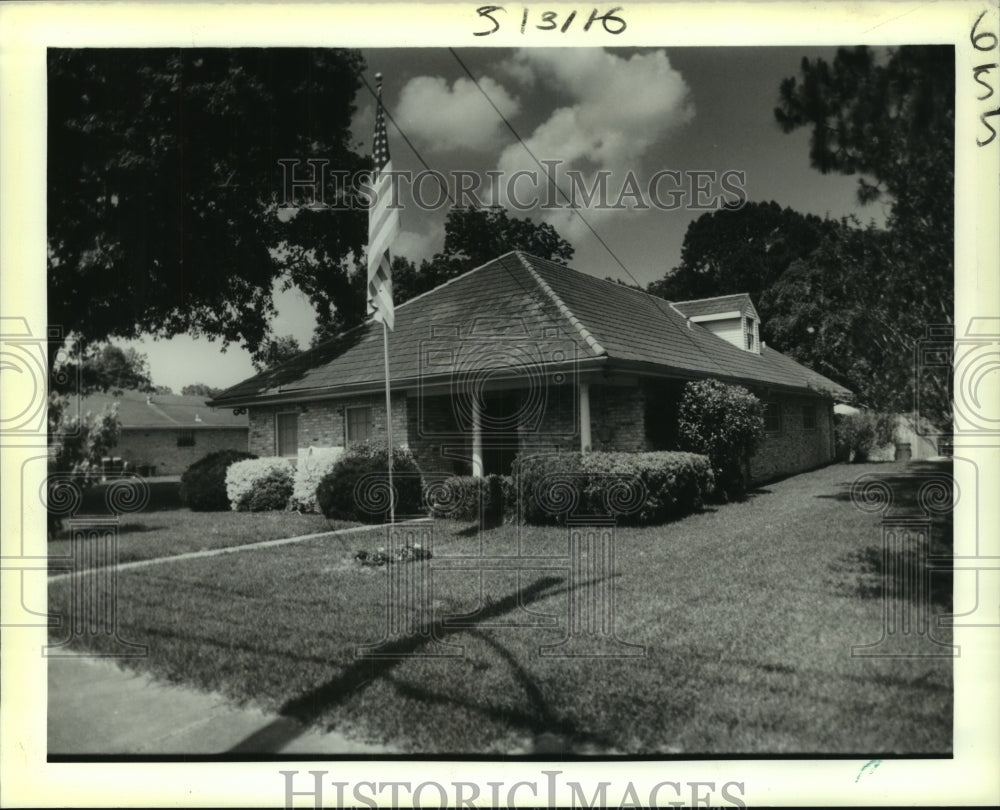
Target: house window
{"x":359,"y":425}
{"x":772,"y":417}
{"x":809,"y":417}
{"x":286,"y":428}
{"x":185,"y":438}
{"x":748,"y":335}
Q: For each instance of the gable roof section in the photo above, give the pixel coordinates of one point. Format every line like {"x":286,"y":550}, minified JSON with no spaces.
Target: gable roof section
{"x":172,"y":411}
{"x":518,"y":311}
{"x":740,"y":302}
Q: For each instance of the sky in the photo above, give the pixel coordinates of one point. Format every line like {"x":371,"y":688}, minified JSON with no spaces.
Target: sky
{"x":629,"y":112}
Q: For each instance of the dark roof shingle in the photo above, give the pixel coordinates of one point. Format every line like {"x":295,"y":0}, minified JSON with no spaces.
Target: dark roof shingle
{"x":518,"y":310}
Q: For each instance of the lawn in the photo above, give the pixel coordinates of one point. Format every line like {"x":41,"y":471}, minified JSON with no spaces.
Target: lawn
{"x":166,"y":533}
{"x":747,"y":613}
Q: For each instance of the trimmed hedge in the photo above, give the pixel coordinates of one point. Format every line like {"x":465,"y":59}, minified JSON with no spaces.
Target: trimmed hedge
{"x":459,"y":497}
{"x":203,"y":484}
{"x":260,"y":484}
{"x":309,"y":471}
{"x":357,"y":487}
{"x":636,"y":488}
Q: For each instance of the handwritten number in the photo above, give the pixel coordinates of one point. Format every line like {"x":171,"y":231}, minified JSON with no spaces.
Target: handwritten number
{"x":975,"y":77}
{"x":607,"y":20}
{"x":488,"y":12}
{"x":989,"y":126}
{"x":976,"y":38}
{"x":549,"y":18}
{"x":566,"y":24}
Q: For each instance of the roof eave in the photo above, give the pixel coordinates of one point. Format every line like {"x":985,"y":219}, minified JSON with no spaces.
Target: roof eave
{"x":403,"y":384}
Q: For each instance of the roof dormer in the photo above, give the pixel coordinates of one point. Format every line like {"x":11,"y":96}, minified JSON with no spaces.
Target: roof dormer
{"x":732,"y":317}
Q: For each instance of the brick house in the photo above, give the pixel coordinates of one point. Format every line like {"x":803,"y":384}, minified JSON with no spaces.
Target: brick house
{"x":523,"y":354}
{"x":169,"y":431}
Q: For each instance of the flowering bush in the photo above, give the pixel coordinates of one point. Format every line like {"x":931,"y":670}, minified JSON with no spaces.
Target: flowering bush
{"x":725,"y":423}
{"x":259,"y":484}
{"x":309,"y":471}
{"x":203,"y":484}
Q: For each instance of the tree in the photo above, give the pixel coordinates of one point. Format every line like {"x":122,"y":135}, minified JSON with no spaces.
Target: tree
{"x":107,"y":368}
{"x":164,"y":187}
{"x":475,"y":236}
{"x":745,"y":250}
{"x":277,"y":351}
{"x":201,"y":390}
{"x":893,"y":124}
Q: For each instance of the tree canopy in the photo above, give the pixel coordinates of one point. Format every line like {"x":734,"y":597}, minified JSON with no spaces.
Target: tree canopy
{"x":276,"y":351}
{"x":849,"y":300}
{"x":164,"y":187}
{"x":746,"y":250}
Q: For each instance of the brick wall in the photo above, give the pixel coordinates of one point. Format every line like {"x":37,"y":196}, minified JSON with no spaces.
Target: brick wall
{"x":321,"y":424}
{"x":159,"y":447}
{"x":793,"y":448}
{"x":434,"y":437}
{"x":617,"y":418}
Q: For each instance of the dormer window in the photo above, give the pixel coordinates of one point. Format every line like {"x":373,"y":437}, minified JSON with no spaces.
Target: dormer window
{"x":730,"y":317}
{"x":750,"y":334}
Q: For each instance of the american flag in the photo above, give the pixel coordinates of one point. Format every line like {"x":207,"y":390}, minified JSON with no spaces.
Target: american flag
{"x":383,"y":224}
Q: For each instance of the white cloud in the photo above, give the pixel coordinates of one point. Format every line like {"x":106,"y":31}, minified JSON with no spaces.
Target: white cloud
{"x":615,"y":110}
{"x":444,"y":117}
{"x":417,"y":246}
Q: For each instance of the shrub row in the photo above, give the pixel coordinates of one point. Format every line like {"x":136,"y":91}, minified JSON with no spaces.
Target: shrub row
{"x":635,"y":488}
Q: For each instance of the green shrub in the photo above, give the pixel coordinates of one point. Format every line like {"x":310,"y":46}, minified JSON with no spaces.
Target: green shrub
{"x":725,"y":423}
{"x":203,"y":484}
{"x":459,"y":497}
{"x":271,"y":475}
{"x":357,"y":486}
{"x":309,"y":471}
{"x":636,"y":488}
{"x":856,"y":435}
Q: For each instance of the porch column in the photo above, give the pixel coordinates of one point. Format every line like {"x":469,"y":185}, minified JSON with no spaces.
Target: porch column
{"x":584,"y":417}
{"x":477,"y":438}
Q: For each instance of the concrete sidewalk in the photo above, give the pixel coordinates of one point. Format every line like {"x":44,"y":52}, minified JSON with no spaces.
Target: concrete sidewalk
{"x":94,"y":707}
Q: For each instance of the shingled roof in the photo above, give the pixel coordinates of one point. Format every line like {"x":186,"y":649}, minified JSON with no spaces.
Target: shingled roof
{"x":158,"y":411}
{"x":520,"y":310}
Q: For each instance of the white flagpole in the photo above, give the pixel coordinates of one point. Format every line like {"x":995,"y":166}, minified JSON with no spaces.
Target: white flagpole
{"x":388,"y":419}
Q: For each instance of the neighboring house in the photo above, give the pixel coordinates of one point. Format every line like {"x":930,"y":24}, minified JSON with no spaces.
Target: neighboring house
{"x":168,"y":431}
{"x":524,"y":354}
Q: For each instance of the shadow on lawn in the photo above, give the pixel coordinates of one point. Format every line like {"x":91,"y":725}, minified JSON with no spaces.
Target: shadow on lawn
{"x":296,"y":715}
{"x":881,"y":569}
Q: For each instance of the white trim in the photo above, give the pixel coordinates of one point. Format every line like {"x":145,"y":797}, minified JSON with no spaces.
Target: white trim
{"x":585,"y":442}
{"x":717,"y":316}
